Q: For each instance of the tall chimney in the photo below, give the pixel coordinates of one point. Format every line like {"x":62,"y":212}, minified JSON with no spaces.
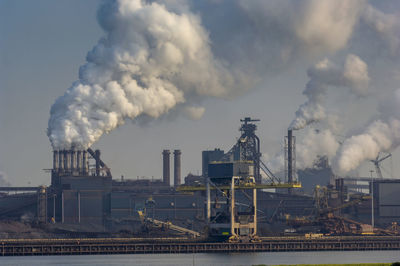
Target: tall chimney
{"x":177,"y":167}
{"x":97,"y":154}
{"x":73,"y":160}
{"x":85,"y":169}
{"x":61,"y":160}
{"x":290,"y":156}
{"x":166,"y":169}
{"x":79,"y":161}
{"x":67,"y":160}
{"x":55,"y":161}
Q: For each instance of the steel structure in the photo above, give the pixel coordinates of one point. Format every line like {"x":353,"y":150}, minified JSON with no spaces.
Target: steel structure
{"x":377,"y":162}
{"x":30,"y":247}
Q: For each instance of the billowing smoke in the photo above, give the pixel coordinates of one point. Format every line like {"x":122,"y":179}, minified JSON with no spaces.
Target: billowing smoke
{"x":314,"y":143}
{"x":4,"y":180}
{"x":157,"y":56}
{"x":325,"y":74}
{"x":150,"y":61}
{"x":382,"y":135}
{"x":386,"y":26}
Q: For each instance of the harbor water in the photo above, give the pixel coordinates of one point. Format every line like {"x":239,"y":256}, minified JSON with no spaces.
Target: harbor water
{"x":268,"y":258}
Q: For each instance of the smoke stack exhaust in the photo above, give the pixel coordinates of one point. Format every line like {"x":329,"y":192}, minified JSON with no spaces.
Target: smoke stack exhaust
{"x":85,"y":169}
{"x":55,"y":161}
{"x":177,"y":167}
{"x":290,"y":158}
{"x":166,"y":167}
{"x":67,"y":161}
{"x":79,"y":161}
{"x":61,"y":160}
{"x":73,"y":160}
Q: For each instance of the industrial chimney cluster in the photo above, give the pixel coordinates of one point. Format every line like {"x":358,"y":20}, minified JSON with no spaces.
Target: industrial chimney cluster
{"x":71,"y":162}
{"x":177,"y":167}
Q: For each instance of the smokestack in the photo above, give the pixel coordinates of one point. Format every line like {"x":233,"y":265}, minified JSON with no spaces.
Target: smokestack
{"x":61,"y":160}
{"x":97,"y":155}
{"x":290,"y":157}
{"x":177,"y":167}
{"x":85,"y":169}
{"x":55,"y":161}
{"x":67,"y":160}
{"x":73,"y":160}
{"x":166,"y":169}
{"x":79,"y":161}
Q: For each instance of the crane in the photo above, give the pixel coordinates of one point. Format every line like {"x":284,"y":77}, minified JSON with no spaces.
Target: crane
{"x":377,"y":162}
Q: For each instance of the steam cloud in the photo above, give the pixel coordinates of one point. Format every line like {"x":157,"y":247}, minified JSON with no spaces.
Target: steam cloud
{"x":162,"y":55}
{"x":381,"y":135}
{"x":147,"y":63}
{"x":4,"y":180}
{"x":314,"y":143}
{"x":323,"y":75}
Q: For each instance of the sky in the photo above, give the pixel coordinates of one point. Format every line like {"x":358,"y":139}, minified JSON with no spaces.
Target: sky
{"x":240,"y":58}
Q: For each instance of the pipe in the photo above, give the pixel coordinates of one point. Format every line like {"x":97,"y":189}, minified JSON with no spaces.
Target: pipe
{"x":85,"y":169}
{"x":290,"y":156}
{"x":79,"y":161}
{"x":177,"y":167}
{"x":61,"y":160}
{"x":97,"y":158}
{"x":55,"y":161}
{"x":166,"y":167}
{"x":101,"y":163}
{"x":73,"y":160}
{"x":67,"y":161}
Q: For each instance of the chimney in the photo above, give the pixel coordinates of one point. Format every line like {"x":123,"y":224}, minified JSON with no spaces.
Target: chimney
{"x":85,"y":169}
{"x":67,"y":160}
{"x":177,"y":167}
{"x":290,"y":156}
{"x":73,"y":160}
{"x":55,"y":161}
{"x":79,"y":161}
{"x":61,"y":160}
{"x":166,"y":167}
{"x":97,"y":155}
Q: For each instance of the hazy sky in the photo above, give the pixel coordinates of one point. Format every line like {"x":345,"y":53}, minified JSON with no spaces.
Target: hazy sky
{"x":43,"y":44}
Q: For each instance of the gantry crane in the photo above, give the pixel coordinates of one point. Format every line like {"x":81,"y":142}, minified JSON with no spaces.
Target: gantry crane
{"x":237,"y":176}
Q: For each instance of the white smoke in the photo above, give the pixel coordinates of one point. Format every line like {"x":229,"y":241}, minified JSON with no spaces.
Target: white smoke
{"x":325,"y":74}
{"x":382,"y":135}
{"x":314,"y":143}
{"x":386,"y":26}
{"x":327,"y":25}
{"x":4,"y":182}
{"x":162,"y":55}
{"x":148,"y":62}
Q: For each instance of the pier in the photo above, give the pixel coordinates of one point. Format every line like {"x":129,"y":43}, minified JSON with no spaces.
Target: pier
{"x":33,"y":247}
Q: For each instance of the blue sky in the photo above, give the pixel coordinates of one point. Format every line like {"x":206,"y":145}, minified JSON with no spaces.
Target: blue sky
{"x":43,"y":44}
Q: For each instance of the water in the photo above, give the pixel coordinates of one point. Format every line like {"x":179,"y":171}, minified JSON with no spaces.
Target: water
{"x":328,"y":257}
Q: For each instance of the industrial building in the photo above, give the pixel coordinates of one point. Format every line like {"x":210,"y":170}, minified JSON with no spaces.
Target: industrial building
{"x":84,"y":198}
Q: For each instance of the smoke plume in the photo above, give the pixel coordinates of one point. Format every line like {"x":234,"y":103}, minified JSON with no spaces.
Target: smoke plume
{"x":382,"y":135}
{"x":4,"y":180}
{"x":150,"y":61}
{"x":157,"y":56}
{"x":325,"y":74}
{"x":313,"y":144}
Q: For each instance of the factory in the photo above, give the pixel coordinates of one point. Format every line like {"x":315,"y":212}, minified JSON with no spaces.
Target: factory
{"x":236,"y":197}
